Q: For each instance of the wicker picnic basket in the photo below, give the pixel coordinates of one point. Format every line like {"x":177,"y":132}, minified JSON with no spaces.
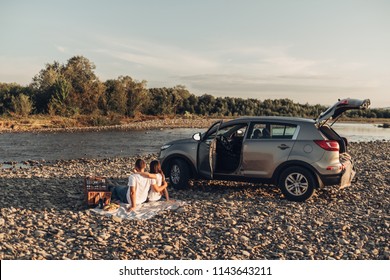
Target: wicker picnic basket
{"x":96,"y":191}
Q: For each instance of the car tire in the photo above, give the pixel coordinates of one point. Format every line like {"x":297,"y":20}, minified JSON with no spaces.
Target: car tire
{"x":297,"y":184}
{"x":179,"y":174}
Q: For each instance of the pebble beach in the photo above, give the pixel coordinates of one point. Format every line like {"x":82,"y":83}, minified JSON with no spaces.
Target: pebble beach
{"x":43,"y":216}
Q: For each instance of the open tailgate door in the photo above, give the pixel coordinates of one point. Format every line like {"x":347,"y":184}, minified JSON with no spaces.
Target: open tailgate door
{"x":340,"y":107}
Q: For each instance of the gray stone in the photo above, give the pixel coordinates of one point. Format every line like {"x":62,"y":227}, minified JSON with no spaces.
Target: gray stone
{"x":39,"y":233}
{"x":244,"y":238}
{"x":168,"y":248}
{"x":245,"y":253}
{"x":117,"y":219}
{"x":343,"y":241}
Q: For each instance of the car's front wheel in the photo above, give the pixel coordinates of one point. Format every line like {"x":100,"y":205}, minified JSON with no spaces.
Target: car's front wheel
{"x":179,"y":174}
{"x":297,"y":184}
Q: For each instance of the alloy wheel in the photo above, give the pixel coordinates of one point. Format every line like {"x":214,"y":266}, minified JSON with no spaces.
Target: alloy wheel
{"x":175,"y":174}
{"x":296,"y":184}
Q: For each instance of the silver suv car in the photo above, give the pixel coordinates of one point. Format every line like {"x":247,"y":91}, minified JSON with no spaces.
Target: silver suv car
{"x":296,"y":154}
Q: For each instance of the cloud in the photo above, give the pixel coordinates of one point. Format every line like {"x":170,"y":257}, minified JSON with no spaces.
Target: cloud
{"x":253,"y":83}
{"x":246,"y":71}
{"x":218,"y":59}
{"x":153,"y":56}
{"x":312,"y":89}
{"x":61,"y":49}
{"x":174,"y":61}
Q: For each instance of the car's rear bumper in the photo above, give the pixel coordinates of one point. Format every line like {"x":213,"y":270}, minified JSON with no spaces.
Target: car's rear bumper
{"x":342,"y":179}
{"x":330,"y":180}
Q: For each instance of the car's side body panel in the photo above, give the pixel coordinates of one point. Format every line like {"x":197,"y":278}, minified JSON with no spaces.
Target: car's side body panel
{"x":262,"y":156}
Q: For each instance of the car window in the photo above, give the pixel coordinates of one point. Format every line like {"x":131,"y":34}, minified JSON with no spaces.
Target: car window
{"x":279,"y":131}
{"x":236,"y":130}
{"x":272,"y":131}
{"x":210,"y":133}
{"x":257,"y":131}
{"x":211,"y":136}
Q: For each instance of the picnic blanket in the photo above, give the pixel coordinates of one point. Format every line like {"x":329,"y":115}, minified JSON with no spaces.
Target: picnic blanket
{"x":143,"y":211}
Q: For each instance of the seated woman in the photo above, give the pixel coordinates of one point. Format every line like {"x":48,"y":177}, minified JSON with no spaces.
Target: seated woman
{"x":160,"y":188}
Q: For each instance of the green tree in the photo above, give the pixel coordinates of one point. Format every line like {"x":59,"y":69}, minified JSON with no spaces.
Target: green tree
{"x":115,"y":97}
{"x":43,"y":85}
{"x":205,"y":104}
{"x":189,"y":105}
{"x":22,"y":105}
{"x":9,"y":93}
{"x":167,"y":101}
{"x":134,"y":93}
{"x":159,"y":101}
{"x":179,"y":94}
{"x":59,"y":103}
{"x":86,"y":89}
{"x":73,"y":85}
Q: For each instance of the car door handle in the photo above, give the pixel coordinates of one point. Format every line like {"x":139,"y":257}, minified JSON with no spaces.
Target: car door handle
{"x":283,"y":147}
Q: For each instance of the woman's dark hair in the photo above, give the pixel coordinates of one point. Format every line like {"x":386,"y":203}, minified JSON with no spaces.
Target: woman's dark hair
{"x":155,"y":167}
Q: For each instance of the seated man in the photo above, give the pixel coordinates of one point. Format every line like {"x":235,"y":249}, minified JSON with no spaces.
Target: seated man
{"x":137,"y":189}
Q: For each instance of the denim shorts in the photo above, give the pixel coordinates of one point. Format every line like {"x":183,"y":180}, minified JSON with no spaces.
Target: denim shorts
{"x":120,"y":193}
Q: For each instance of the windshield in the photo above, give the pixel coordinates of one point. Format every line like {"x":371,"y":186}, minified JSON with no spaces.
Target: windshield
{"x":211,"y":131}
{"x":229,"y":131}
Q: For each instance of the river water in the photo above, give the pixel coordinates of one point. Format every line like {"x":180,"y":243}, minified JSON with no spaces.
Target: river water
{"x":17,"y":147}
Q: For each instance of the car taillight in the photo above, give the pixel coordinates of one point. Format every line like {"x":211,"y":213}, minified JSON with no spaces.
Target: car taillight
{"x":335,"y":167}
{"x":328,"y":145}
{"x":343,"y":102}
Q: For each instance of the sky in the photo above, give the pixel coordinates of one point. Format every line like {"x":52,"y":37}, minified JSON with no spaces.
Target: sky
{"x":306,"y":50}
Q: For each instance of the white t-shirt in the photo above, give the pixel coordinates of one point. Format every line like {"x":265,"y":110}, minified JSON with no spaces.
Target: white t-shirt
{"x":153,"y":195}
{"x":142,"y":187}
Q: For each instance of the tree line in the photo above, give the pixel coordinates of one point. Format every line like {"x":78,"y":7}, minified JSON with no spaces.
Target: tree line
{"x":73,"y":89}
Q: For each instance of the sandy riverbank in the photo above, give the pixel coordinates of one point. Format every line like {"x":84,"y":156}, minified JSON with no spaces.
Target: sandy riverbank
{"x":56,"y":124}
{"x":42,"y":217}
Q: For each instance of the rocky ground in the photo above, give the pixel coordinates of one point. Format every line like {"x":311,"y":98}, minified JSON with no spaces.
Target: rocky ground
{"x":43,"y":217}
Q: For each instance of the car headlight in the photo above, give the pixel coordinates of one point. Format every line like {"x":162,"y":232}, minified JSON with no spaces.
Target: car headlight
{"x":164,"y":147}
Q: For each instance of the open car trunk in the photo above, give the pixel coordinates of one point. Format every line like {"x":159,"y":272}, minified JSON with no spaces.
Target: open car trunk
{"x":333,"y":113}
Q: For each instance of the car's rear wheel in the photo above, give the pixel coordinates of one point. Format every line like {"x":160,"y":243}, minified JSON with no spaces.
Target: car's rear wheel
{"x":179,"y":174}
{"x":297,"y":184}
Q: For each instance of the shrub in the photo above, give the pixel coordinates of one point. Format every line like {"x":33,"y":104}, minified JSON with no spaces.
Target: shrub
{"x":22,"y":105}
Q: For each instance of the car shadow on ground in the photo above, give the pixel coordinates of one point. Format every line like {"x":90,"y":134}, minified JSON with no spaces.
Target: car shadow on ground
{"x":236,"y":190}
{"x":263,"y":192}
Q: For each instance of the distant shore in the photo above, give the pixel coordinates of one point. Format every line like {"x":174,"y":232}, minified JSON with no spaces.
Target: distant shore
{"x":55,"y":124}
{"x":42,"y":123}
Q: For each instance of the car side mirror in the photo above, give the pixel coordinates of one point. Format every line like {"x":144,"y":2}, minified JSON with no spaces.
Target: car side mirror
{"x":197,"y":136}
